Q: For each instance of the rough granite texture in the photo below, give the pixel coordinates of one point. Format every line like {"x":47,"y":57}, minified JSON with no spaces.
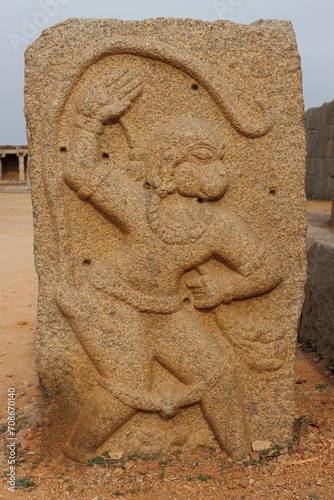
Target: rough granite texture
{"x":167,"y":166}
{"x":319,"y":126}
{"x":317,"y":318}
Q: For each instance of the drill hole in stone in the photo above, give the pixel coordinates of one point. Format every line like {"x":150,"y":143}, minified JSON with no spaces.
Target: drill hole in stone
{"x":200,"y":200}
{"x":147,"y":185}
{"x":105,"y":155}
{"x":63,"y":149}
{"x":187,"y":300}
{"x":87,"y":262}
{"x":272,"y":191}
{"x":194,"y":86}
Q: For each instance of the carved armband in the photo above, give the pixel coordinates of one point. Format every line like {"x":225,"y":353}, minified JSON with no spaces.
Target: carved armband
{"x":90,"y":124}
{"x":88,"y":188}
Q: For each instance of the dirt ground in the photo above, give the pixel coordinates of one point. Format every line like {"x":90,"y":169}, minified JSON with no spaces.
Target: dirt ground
{"x":303,"y":470}
{"x":319,"y":207}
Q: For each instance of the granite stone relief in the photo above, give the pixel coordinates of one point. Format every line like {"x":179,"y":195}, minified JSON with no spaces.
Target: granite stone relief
{"x":169,"y":251}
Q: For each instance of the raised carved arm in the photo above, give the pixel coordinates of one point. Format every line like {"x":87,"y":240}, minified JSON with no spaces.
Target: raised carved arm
{"x":92,"y":177}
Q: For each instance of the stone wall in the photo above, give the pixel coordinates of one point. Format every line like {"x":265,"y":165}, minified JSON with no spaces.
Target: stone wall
{"x":319,"y":125}
{"x":317,"y":318}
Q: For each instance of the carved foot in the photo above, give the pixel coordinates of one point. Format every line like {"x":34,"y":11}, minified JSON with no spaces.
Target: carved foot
{"x":74,"y":454}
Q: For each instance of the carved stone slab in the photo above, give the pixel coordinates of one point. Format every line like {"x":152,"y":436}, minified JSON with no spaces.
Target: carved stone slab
{"x":167,"y":166}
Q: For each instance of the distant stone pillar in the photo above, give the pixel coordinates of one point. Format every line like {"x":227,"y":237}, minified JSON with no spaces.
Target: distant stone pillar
{"x":1,"y":156}
{"x":21,"y":156}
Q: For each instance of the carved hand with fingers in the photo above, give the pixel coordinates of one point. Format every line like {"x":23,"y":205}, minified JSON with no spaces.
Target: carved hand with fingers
{"x":111,"y":97}
{"x":207,"y":290}
{"x":106,"y":99}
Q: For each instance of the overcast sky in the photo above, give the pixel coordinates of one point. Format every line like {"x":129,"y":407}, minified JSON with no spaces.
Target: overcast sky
{"x":22,"y":21}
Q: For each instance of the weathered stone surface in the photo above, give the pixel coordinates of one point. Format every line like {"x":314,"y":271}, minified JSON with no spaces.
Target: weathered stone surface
{"x":320,"y":151}
{"x":317,"y":319}
{"x":167,"y":165}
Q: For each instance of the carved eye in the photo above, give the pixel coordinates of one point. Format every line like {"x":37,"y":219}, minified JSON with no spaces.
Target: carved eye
{"x":203,"y":154}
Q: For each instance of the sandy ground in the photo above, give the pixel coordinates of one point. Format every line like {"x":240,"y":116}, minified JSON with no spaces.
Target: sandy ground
{"x":18,"y":285}
{"x":319,"y":207}
{"x":304,"y":470}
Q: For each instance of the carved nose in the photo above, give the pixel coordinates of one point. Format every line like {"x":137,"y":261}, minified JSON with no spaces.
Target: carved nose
{"x":221,"y":170}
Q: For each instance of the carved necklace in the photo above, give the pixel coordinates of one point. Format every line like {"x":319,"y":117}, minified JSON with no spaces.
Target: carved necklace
{"x":186,"y":224}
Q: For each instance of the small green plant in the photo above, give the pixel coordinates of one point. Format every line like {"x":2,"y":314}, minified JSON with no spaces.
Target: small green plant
{"x":306,"y":344}
{"x":315,"y":497}
{"x":212,"y":450}
{"x":118,"y":493}
{"x":330,"y":365}
{"x":20,"y":461}
{"x":134,"y":490}
{"x":265,"y":456}
{"x":321,"y":386}
{"x":165,"y":462}
{"x":189,"y":478}
{"x":3,"y":429}
{"x":100,"y":460}
{"x":105,"y":460}
{"x":34,"y":465}
{"x":300,"y":425}
{"x":202,"y":477}
{"x":25,"y":482}
{"x":70,"y":487}
{"x":271,"y":452}
{"x":147,"y":456}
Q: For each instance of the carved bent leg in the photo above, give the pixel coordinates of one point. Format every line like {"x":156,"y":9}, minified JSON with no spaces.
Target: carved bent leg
{"x":102,"y":415}
{"x":112,"y":335}
{"x":182,"y":341}
{"x":223,"y":409}
{"x":117,"y":346}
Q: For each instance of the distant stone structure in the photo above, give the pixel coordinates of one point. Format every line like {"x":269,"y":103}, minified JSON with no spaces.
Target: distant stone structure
{"x":167,"y":164}
{"x":317,"y":318}
{"x":319,"y":125}
{"x":13,"y":168}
